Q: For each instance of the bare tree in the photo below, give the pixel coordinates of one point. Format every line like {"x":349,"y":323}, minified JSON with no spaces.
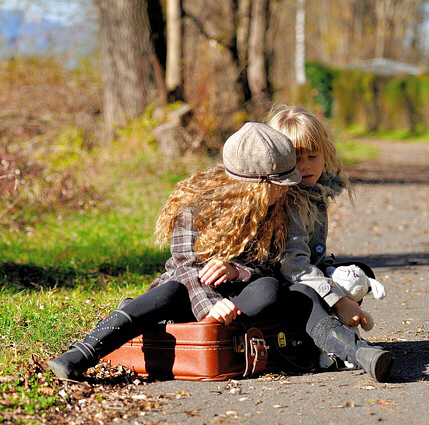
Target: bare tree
{"x":128,"y":60}
{"x":256,"y":70}
{"x":300,"y":42}
{"x":234,"y":43}
{"x":173,"y":75}
{"x":382,"y":10}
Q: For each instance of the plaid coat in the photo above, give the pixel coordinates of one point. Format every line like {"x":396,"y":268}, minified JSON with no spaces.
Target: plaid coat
{"x":184,"y":265}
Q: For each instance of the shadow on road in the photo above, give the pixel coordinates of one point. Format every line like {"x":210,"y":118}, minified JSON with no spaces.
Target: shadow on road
{"x":389,"y":260}
{"x":411,"y":362}
{"x":385,"y":174}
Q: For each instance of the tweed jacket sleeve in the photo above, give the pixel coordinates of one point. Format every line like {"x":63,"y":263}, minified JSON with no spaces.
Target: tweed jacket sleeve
{"x":296,"y":265}
{"x":186,"y":265}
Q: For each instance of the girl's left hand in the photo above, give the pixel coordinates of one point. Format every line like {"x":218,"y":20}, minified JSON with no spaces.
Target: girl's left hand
{"x":215,"y":272}
{"x":224,"y":311}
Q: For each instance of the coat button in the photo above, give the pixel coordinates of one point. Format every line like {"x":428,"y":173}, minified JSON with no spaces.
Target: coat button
{"x":320,"y":249}
{"x":324,"y":288}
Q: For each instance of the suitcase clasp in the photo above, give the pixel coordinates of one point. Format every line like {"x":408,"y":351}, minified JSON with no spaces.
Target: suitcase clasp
{"x":254,"y":344}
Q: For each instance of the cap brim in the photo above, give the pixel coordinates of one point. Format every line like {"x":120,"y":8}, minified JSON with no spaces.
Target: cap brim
{"x":291,"y":179}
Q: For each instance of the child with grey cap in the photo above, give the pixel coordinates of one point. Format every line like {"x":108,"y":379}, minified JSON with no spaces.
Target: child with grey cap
{"x":227,"y":229}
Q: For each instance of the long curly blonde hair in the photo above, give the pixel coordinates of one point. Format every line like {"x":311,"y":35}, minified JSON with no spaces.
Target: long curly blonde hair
{"x":232,"y":217}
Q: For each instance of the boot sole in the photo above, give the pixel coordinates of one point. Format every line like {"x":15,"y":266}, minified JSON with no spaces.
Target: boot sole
{"x":382,"y":366}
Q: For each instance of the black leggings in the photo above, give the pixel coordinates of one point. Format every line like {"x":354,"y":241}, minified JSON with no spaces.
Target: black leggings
{"x":306,"y":306}
{"x":170,"y":301}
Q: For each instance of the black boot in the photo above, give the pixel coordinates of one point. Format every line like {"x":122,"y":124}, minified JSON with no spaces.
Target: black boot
{"x":109,"y":334}
{"x":333,"y":337}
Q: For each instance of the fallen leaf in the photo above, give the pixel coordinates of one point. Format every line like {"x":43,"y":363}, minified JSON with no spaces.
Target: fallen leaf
{"x":386,"y":402}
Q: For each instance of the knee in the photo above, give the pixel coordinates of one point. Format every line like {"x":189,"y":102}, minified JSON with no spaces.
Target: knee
{"x":305,"y":290}
{"x":305,"y":296}
{"x":266,"y":290}
{"x":173,"y":288}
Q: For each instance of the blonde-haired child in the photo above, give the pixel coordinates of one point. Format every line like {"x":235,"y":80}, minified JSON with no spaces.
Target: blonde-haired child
{"x":305,"y":261}
{"x":309,"y":136}
{"x":227,"y":228}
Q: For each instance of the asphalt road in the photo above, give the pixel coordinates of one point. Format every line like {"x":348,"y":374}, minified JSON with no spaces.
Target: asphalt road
{"x":389,"y":230}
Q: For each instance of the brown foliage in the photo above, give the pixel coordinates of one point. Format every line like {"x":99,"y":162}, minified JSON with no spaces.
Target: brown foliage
{"x":49,"y":120}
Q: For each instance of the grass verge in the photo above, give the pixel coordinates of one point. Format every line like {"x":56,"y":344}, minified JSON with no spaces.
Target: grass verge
{"x":65,"y":267}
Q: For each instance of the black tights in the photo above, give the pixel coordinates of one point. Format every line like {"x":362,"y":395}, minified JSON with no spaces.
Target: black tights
{"x":304,"y":307}
{"x":170,"y":301}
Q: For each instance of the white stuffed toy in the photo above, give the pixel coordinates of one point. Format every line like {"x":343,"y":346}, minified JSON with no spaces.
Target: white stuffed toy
{"x":355,"y":284}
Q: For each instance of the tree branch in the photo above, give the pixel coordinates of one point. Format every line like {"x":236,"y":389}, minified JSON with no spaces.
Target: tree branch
{"x":227,"y":45}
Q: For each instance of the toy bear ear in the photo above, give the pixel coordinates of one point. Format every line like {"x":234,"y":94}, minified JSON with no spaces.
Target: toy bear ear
{"x":378,"y":289}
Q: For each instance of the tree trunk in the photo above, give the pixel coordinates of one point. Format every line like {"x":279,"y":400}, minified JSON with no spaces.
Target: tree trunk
{"x":380,"y":12}
{"x":241,"y":21}
{"x":128,"y":60}
{"x":256,"y":71}
{"x":173,"y":77}
{"x":300,"y":42}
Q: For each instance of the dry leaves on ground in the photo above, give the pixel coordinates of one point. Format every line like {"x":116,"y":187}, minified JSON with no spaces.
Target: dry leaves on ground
{"x":106,"y":394}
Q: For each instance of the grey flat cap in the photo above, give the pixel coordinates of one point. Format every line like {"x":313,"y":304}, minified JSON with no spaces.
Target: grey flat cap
{"x":257,"y":152}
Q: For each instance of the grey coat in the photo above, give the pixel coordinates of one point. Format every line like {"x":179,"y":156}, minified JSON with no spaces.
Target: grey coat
{"x":306,"y":244}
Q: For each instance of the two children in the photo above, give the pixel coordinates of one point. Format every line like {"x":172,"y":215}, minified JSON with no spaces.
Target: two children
{"x":230,"y":230}
{"x":227,"y":227}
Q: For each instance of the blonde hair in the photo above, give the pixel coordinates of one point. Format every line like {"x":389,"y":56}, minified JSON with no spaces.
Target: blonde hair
{"x":232,"y":217}
{"x":307,"y":132}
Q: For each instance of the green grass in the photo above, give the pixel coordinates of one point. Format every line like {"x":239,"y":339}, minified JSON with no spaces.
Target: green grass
{"x":353,"y":151}
{"x":33,"y":398}
{"x":359,"y":132}
{"x":69,"y":267}
{"x":404,"y":136}
{"x":65,"y":268}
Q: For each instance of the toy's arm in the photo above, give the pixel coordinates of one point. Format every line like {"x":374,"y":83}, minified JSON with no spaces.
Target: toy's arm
{"x":378,"y":290}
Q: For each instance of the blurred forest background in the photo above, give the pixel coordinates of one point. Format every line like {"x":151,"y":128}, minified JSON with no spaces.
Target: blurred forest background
{"x":86,"y":85}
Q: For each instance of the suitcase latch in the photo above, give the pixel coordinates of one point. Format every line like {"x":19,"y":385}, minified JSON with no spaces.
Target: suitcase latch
{"x":281,"y":339}
{"x":254,"y":344}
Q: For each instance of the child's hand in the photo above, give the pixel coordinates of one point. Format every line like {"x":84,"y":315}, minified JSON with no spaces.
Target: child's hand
{"x":349,"y":312}
{"x":215,"y":272}
{"x":224,"y":311}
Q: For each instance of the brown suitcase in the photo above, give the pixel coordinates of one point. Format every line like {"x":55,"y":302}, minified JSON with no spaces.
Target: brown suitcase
{"x":211,"y":351}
